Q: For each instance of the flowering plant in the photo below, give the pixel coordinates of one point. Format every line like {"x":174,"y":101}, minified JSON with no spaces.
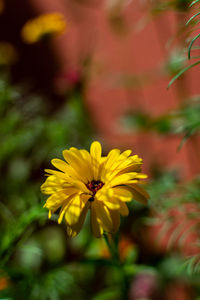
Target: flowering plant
{"x":91,"y":181}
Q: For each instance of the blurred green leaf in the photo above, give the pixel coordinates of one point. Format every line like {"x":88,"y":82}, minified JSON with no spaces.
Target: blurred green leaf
{"x":17,"y":229}
{"x":192,"y":18}
{"x":181,"y":72}
{"x":108,"y":294}
{"x":194,"y":2}
{"x":191,"y":43}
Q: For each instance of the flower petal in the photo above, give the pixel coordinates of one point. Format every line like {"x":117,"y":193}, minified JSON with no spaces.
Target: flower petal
{"x":75,"y":163}
{"x":122,"y":179}
{"x":106,"y":196}
{"x":122,"y":194}
{"x":97,"y":228}
{"x":56,"y":200}
{"x":103,"y":216}
{"x":74,"y":209}
{"x":80,"y":185}
{"x":109,"y":161}
{"x":60,"y":165}
{"x":95,"y":152}
{"x":52,"y":184}
{"x":74,"y":229}
{"x":123,"y":209}
{"x":62,"y":175}
{"x":84,"y":159}
{"x":115,"y":220}
{"x":65,"y":207}
{"x":138,"y":193}
{"x":112,"y":203}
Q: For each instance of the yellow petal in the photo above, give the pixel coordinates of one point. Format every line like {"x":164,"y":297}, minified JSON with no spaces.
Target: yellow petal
{"x":132,"y":168}
{"x":97,"y":228}
{"x":62,"y":175}
{"x":60,"y":165}
{"x":123,"y":209}
{"x":56,"y":200}
{"x":122,"y":194}
{"x":74,"y":229}
{"x":138,"y":193}
{"x":74,"y":210}
{"x":125,"y":154}
{"x":141,"y":176}
{"x":95,"y":152}
{"x":122,"y":179}
{"x":120,"y":159}
{"x":52,"y":185}
{"x":125,"y":164}
{"x":115,"y":220}
{"x":74,"y":163}
{"x":109,"y":161}
{"x":107,"y":197}
{"x":84,"y":159}
{"x":112,"y":203}
{"x":88,"y":163}
{"x":81,"y":186}
{"x":103,"y":216}
{"x":65,"y":206}
{"x":49,"y":214}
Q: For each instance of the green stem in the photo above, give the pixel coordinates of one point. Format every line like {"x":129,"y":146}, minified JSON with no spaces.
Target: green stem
{"x":112,"y":247}
{"x":114,"y":253}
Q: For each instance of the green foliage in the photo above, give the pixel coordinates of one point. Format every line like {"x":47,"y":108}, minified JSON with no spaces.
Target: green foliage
{"x":181,"y":72}
{"x":160,"y":189}
{"x":191,"y":44}
{"x":139,"y":120}
{"x":32,"y":133}
{"x":192,"y":265}
{"x":184,"y":121}
{"x":177,"y":209}
{"x":35,"y":254}
{"x":194,"y":2}
{"x":192,"y":22}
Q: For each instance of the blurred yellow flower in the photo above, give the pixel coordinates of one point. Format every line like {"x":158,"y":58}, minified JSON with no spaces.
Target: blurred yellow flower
{"x":8,"y":54}
{"x":92,"y":181}
{"x":1,"y":6}
{"x":45,"y":25}
{"x":4,"y":283}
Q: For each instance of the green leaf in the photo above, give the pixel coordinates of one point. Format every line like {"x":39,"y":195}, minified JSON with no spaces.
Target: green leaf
{"x":185,"y":138}
{"x":192,"y":18}
{"x":194,"y":2}
{"x":192,"y":265}
{"x":16,"y":231}
{"x":192,"y":42}
{"x":181,"y":72}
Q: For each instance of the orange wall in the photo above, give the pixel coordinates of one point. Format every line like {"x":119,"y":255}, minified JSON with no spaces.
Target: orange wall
{"x":140,"y":48}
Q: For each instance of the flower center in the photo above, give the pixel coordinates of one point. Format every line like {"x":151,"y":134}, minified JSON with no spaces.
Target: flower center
{"x":94,"y":186}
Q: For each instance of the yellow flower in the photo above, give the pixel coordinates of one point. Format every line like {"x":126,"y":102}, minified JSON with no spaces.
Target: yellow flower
{"x":90,"y":181}
{"x":1,"y":6}
{"x":8,"y":54}
{"x":45,"y":25}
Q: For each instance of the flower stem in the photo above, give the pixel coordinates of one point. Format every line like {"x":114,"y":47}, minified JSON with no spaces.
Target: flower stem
{"x":114,"y":253}
{"x":112,"y":247}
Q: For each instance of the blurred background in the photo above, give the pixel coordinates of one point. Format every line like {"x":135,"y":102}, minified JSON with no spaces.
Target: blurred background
{"x":76,"y":71}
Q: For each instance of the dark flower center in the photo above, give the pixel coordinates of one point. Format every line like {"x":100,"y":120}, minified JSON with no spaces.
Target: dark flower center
{"x":94,"y":186}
